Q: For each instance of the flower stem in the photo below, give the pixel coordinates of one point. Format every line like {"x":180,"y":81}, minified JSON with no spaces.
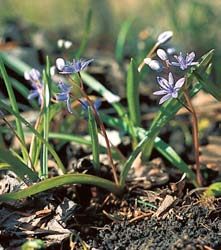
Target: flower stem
{"x":195,"y":134}
{"x":99,"y":121}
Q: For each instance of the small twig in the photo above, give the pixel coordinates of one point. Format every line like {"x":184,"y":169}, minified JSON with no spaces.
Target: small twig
{"x":141,"y":216}
{"x":195,"y":134}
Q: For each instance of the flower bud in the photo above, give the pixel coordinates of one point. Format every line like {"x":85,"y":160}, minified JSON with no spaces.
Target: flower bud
{"x":162,"y":54}
{"x":165,"y":37}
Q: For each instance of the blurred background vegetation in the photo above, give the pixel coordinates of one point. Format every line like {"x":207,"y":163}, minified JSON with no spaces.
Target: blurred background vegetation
{"x":196,"y":23}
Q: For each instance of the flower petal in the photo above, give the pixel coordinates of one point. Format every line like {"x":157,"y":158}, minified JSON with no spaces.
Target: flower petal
{"x":163,"y":83}
{"x":69,"y":106}
{"x":160,"y":92}
{"x":170,"y":80}
{"x":33,"y":94}
{"x":190,"y":57}
{"x":61,"y":97}
{"x":174,"y":94}
{"x":165,"y":98}
{"x":179,"y":83}
{"x":176,"y":64}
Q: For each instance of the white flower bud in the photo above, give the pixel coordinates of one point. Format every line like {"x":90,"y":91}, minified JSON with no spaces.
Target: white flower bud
{"x":67,"y":44}
{"x":162,"y":54}
{"x":60,"y":43}
{"x":60,"y":63}
{"x":165,"y":37}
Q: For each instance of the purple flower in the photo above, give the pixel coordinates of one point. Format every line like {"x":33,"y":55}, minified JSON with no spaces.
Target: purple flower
{"x":168,"y":88}
{"x":67,"y":68}
{"x":64,"y":96}
{"x":35,"y":77}
{"x":184,"y":61}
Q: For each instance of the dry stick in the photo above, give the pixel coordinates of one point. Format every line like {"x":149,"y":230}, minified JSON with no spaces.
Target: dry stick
{"x":148,"y":55}
{"x":195,"y":135}
{"x":101,"y":127}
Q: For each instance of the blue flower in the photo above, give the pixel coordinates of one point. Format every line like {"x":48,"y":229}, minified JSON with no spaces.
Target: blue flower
{"x":76,"y":66}
{"x":168,"y":88}
{"x":35,"y":77}
{"x":64,"y":96}
{"x":184,"y":61}
{"x":85,"y":104}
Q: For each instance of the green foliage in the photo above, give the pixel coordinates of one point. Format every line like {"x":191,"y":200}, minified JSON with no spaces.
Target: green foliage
{"x":33,"y":245}
{"x":128,"y":121}
{"x":214,"y":190}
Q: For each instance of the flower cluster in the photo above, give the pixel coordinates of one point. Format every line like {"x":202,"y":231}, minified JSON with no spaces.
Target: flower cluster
{"x":169,"y":88}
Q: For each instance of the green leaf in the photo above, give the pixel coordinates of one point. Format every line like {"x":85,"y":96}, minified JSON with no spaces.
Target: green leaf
{"x":201,"y":72}
{"x":50,"y":148}
{"x":214,"y":190}
{"x":17,"y":166}
{"x":60,"y":181}
{"x":93,"y":131}
{"x":168,"y":152}
{"x":14,"y":105}
{"x":122,"y":37}
{"x":132,"y":88}
{"x":91,"y":82}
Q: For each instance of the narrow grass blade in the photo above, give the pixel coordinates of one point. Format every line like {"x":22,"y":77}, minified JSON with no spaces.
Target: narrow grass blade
{"x":62,"y":180}
{"x":80,"y":140}
{"x":122,"y":37}
{"x":91,"y":82}
{"x":14,"y":105}
{"x":46,"y":119}
{"x":17,"y":166}
{"x":93,"y":131}
{"x":50,"y":148}
{"x":132,"y":88}
{"x":84,"y":40}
